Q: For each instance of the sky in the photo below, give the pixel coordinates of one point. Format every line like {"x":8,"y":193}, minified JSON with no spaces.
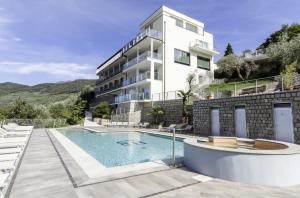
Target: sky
{"x":59,"y":40}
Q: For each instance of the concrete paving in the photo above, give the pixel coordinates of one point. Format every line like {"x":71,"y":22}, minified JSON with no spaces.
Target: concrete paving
{"x":42,"y":174}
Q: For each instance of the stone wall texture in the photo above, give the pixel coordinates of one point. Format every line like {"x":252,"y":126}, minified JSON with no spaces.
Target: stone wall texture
{"x":259,"y":114}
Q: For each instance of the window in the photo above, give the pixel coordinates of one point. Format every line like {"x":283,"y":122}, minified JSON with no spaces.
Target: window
{"x":179,"y":22}
{"x":181,"y":57}
{"x":203,"y":63}
{"x":191,"y":27}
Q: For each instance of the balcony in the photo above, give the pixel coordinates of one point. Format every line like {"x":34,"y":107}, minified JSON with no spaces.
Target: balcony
{"x":133,"y":96}
{"x":138,"y":78}
{"x":203,"y":47}
{"x":149,"y":32}
{"x":103,"y":91}
{"x":109,"y":76}
{"x":140,"y":58}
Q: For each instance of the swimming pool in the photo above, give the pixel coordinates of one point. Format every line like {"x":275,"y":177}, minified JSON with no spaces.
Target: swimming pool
{"x":124,"y":148}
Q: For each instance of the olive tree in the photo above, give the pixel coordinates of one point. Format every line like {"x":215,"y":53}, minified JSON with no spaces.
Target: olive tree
{"x":232,"y":63}
{"x":285,"y":51}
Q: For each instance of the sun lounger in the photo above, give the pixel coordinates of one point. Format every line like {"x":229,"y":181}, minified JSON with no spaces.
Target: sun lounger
{"x":4,"y":133}
{"x":13,"y":139}
{"x":9,"y":157}
{"x":15,"y":127}
{"x":10,"y":150}
{"x":7,"y":165}
{"x":187,"y":128}
{"x":4,"y":177}
{"x":12,"y":144}
{"x":145,"y":125}
{"x":169,"y":128}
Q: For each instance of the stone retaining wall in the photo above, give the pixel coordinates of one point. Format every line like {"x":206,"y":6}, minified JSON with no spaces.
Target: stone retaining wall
{"x":259,"y":114}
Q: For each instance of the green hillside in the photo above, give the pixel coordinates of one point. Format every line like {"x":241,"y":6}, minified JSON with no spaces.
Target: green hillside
{"x":42,"y":93}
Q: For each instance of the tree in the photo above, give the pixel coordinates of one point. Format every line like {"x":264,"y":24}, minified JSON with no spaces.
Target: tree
{"x":87,"y":94}
{"x":20,"y":109}
{"x":285,"y":51}
{"x":157,"y":112}
{"x":228,"y":50}
{"x":185,"y":95}
{"x":233,"y":63}
{"x":291,"y":32}
{"x":102,"y":110}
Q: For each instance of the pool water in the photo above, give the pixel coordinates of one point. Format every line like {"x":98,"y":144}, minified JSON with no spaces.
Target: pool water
{"x":123,"y":148}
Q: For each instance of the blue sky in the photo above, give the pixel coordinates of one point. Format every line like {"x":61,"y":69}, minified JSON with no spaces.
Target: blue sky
{"x":58,"y":40}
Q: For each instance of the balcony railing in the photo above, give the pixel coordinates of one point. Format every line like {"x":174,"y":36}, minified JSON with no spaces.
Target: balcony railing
{"x":137,"y":78}
{"x":140,"y":58}
{"x":203,"y":45}
{"x":149,"y":32}
{"x":109,"y":76}
{"x":98,"y":92}
{"x":133,"y":96}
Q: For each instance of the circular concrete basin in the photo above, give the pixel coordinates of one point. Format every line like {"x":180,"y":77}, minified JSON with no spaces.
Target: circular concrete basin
{"x":260,"y":162}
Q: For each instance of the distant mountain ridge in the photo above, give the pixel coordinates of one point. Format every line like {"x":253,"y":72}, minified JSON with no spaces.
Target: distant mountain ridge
{"x":41,"y":93}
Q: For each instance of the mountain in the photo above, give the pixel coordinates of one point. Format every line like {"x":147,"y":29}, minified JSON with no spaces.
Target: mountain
{"x":42,"y":93}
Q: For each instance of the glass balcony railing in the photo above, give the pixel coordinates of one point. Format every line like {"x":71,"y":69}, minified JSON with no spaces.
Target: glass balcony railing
{"x":140,"y":58}
{"x":202,"y":45}
{"x":98,"y":92}
{"x":149,"y":32}
{"x":115,"y":72}
{"x":138,"y":78}
{"x":133,"y":96}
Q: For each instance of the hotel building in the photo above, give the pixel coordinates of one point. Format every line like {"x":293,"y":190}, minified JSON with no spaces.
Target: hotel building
{"x":155,"y":63}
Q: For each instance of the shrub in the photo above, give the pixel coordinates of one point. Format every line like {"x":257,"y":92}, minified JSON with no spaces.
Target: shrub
{"x":157,"y":113}
{"x":102,"y":110}
{"x":287,"y":75}
{"x":20,"y":109}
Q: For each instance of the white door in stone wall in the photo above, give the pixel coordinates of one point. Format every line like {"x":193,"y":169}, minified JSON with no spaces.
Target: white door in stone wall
{"x":215,"y":122}
{"x":240,"y":122}
{"x":283,"y":122}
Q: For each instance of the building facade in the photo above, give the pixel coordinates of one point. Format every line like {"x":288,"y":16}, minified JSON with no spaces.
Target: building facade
{"x":156,"y":63}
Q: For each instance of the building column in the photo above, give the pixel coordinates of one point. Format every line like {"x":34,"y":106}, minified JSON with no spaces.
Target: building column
{"x":151,"y":48}
{"x":152,"y":70}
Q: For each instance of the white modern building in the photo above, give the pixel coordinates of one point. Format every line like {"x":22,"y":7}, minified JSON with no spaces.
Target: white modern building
{"x":156,"y":63}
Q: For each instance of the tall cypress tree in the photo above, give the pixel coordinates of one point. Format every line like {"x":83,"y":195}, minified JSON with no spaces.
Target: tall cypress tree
{"x":228,"y":50}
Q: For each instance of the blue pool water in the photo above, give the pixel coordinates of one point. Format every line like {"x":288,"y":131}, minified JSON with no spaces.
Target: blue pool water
{"x":118,"y":149}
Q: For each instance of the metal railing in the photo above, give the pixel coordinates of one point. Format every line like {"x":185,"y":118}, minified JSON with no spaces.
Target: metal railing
{"x":249,"y":87}
{"x":140,"y":58}
{"x":98,"y":92}
{"x":109,"y":76}
{"x":148,"y":32}
{"x":169,"y":95}
{"x":137,"y":78}
{"x":202,"y":44}
{"x":133,"y":96}
{"x":37,"y":123}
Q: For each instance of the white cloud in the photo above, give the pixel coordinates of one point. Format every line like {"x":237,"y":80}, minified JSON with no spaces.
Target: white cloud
{"x":71,"y":70}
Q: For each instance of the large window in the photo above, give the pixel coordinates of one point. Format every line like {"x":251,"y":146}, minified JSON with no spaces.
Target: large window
{"x":179,"y":22}
{"x":181,"y":57}
{"x":191,"y":27}
{"x":203,"y":63}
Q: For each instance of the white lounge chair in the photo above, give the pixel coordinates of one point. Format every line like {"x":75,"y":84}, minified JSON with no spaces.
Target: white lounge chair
{"x":16,"y":127}
{"x":5,"y":133}
{"x":7,"y":165}
{"x":13,"y":139}
{"x":12,"y":145}
{"x":9,"y":157}
{"x":10,"y":150}
{"x":4,"y":177}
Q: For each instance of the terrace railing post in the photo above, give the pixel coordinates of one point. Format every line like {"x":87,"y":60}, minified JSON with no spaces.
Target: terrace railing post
{"x":255,"y":86}
{"x":173,"y":154}
{"x":234,"y":89}
{"x":282,"y":85}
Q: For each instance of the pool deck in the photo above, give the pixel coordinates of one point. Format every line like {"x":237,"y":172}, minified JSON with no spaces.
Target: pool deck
{"x":42,"y":174}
